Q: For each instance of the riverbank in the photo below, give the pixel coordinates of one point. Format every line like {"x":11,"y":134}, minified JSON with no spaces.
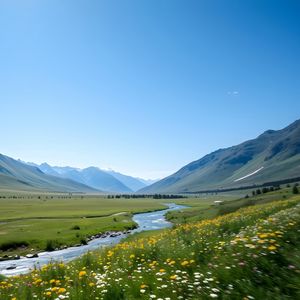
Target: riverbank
{"x":64,"y":222}
{"x":146,"y":221}
{"x":101,"y":235}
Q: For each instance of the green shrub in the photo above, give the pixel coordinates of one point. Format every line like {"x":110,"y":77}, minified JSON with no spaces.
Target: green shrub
{"x":75,"y":227}
{"x":13,"y":245}
{"x":51,"y":245}
{"x":295,"y":189}
{"x":83,"y":241}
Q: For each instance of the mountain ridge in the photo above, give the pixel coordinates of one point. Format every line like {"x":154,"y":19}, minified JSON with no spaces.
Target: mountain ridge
{"x":106,"y":180}
{"x":277,"y":153}
{"x":16,"y":175}
{"x":91,"y":176}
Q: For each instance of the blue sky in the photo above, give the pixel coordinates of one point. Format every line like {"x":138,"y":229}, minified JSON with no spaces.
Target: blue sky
{"x":144,"y":87}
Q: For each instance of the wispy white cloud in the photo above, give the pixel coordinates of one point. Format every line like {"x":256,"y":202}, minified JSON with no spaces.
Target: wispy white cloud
{"x":233,"y":93}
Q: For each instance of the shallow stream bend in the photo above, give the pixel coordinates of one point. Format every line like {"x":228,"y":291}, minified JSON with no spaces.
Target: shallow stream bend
{"x":146,"y":221}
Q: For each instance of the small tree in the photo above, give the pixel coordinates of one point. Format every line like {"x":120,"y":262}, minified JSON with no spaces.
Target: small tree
{"x":265,"y":190}
{"x":295,"y":189}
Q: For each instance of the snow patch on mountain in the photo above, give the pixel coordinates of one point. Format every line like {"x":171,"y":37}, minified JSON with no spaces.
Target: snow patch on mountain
{"x":248,"y":175}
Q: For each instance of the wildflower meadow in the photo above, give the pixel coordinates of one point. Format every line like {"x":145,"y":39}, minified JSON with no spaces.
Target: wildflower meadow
{"x":252,"y":253}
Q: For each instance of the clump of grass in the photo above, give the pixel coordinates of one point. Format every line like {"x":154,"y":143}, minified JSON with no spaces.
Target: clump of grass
{"x":51,"y":245}
{"x":75,"y":227}
{"x":12,"y":245}
{"x":83,"y":241}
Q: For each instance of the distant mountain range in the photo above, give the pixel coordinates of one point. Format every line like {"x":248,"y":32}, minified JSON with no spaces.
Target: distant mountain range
{"x":18,"y":176}
{"x":274,"y":155}
{"x":108,"y":181}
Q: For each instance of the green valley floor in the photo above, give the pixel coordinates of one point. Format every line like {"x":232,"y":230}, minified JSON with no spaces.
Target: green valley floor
{"x":251,"y":253}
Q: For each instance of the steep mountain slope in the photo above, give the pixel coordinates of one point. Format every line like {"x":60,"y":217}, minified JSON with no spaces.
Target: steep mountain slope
{"x":15,"y":175}
{"x":274,"y":155}
{"x":91,"y":176}
{"x":148,"y":181}
{"x":133,"y":183}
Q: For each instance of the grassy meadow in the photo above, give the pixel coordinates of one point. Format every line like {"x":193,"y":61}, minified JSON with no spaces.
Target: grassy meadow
{"x":203,"y":208}
{"x":69,"y":220}
{"x":251,"y":253}
{"x":64,"y":220}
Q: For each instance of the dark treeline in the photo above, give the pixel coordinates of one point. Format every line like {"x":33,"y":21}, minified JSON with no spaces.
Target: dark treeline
{"x":118,"y":196}
{"x":265,"y":190}
{"x":38,"y":197}
{"x":154,"y":196}
{"x":266,"y":184}
{"x":23,"y":197}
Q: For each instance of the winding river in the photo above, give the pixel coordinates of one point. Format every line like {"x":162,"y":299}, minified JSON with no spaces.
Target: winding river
{"x":146,"y":221}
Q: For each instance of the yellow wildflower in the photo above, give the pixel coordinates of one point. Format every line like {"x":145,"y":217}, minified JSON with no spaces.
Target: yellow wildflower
{"x":82,"y":273}
{"x":184,"y":263}
{"x":61,"y":290}
{"x":263,"y":235}
{"x":109,"y":253}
